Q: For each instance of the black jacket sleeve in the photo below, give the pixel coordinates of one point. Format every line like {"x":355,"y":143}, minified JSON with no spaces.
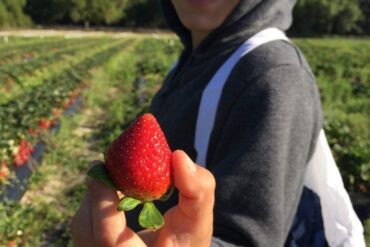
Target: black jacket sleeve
{"x":259,"y":153}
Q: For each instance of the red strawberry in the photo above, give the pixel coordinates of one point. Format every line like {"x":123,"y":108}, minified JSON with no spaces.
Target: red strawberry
{"x":12,"y":243}
{"x":4,"y":171}
{"x":18,"y":160}
{"x":44,"y":123}
{"x":139,"y":160}
{"x":25,"y":148}
{"x":139,"y":163}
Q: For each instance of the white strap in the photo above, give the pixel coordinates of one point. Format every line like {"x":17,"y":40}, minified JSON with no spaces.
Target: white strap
{"x":212,"y":93}
{"x":341,"y":224}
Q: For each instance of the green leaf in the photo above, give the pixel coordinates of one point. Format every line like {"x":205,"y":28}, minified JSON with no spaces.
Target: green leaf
{"x":150,"y":217}
{"x":99,"y":173}
{"x":128,"y":203}
{"x":168,"y":194}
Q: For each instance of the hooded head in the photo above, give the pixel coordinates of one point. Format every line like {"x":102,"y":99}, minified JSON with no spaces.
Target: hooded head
{"x":246,"y":19}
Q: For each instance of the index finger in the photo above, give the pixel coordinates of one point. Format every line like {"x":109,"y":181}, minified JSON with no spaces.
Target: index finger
{"x":109,"y":225}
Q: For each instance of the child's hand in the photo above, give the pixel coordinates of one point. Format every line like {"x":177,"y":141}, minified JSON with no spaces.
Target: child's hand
{"x":98,"y":223}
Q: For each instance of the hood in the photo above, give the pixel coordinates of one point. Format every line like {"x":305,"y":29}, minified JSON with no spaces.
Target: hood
{"x":249,"y":17}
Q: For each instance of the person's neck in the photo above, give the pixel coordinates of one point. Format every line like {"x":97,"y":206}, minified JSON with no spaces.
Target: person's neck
{"x":197,"y":37}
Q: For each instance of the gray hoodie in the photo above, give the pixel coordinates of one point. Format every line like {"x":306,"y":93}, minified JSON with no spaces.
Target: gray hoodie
{"x":266,"y":125}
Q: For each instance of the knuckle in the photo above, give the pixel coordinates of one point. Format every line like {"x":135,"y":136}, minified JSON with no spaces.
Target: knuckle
{"x":206,"y":185}
{"x":94,"y":188}
{"x":209,"y":183}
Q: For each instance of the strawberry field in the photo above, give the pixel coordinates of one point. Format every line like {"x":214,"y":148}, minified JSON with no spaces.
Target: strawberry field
{"x":63,"y":100}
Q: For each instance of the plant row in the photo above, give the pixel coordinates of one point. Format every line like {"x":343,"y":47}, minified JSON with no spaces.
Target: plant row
{"x":25,"y":118}
{"x":14,"y":78}
{"x":20,"y":51}
{"x":44,"y":54}
{"x":13,"y":41}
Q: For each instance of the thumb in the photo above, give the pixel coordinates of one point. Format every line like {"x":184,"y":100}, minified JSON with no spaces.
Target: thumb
{"x":196,"y":186}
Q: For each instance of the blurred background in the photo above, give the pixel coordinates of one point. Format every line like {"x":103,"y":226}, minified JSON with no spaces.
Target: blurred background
{"x":75,"y":73}
{"x":311,"y":17}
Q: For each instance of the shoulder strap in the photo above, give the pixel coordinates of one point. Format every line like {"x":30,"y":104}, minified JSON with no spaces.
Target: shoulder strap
{"x":212,"y":93}
{"x":341,"y":224}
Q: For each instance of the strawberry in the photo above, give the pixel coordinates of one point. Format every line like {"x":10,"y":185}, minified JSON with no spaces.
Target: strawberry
{"x":4,"y":171}
{"x":12,"y":243}
{"x":139,"y":164}
{"x":25,"y":148}
{"x":44,"y":123}
{"x":139,"y":160}
{"x":18,"y":160}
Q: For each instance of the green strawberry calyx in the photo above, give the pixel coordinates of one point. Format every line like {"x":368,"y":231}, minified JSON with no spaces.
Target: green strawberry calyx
{"x":128,"y":203}
{"x":99,"y":173}
{"x":150,"y":217}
